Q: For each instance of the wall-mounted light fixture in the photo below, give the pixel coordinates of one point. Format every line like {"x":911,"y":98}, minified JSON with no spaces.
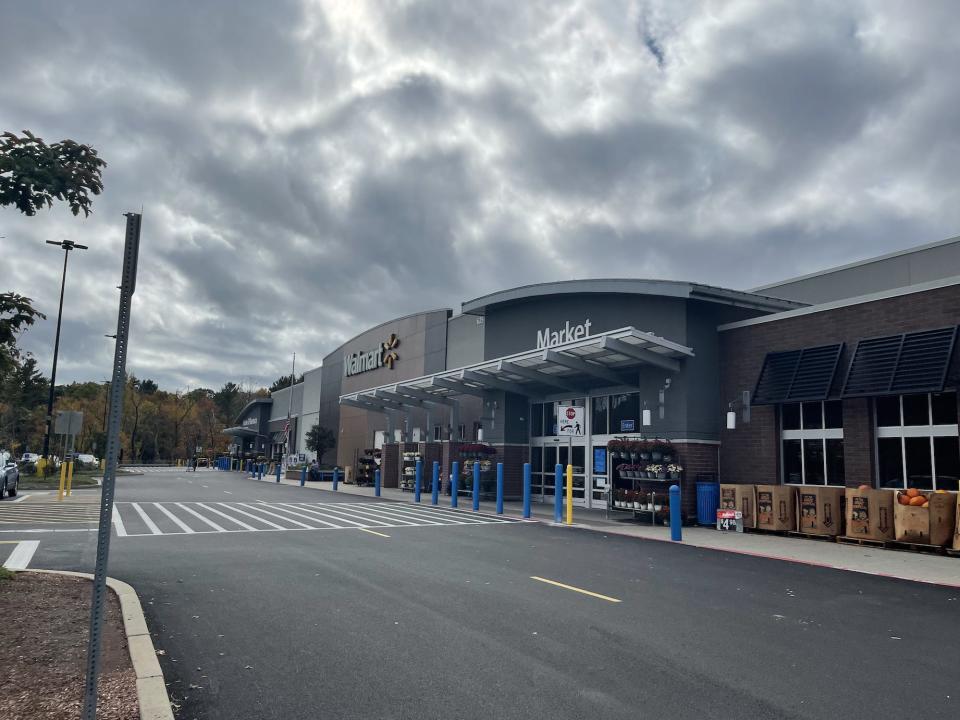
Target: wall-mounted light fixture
{"x":646,"y":416}
{"x":744,"y":404}
{"x":663,"y":390}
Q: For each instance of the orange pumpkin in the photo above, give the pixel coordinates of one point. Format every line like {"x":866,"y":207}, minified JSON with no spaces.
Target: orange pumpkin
{"x":903,"y":499}
{"x":918,"y":501}
{"x":864,"y":487}
{"x":913,"y":492}
{"x":926,"y":504}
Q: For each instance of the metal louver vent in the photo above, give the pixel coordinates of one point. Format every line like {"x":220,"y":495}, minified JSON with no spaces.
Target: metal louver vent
{"x":912,"y":362}
{"x":797,"y":375}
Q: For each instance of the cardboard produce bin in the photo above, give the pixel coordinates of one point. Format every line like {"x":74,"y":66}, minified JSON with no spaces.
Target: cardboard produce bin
{"x":742,"y":498}
{"x":776,"y":507}
{"x":870,"y":514}
{"x":956,"y":526}
{"x":820,"y":510}
{"x":932,"y":525}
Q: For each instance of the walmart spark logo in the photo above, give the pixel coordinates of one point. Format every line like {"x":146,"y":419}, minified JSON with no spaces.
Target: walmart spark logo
{"x":389,"y":350}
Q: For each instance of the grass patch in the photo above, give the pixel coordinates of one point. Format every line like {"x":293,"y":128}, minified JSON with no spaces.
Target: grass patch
{"x":5,"y":574}
{"x":85,"y":478}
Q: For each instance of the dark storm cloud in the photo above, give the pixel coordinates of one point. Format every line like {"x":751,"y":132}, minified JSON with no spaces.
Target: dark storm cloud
{"x":309,"y":169}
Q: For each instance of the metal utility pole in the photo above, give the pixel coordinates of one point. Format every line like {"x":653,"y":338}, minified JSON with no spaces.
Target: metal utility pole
{"x":293,"y":378}
{"x":127,"y":286}
{"x":67,"y":246}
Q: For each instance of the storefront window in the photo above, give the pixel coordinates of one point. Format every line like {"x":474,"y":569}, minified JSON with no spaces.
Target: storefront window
{"x":946,"y":457}
{"x":600,"y":406}
{"x":811,"y":439}
{"x":536,"y":460}
{"x":624,"y":410}
{"x":917,"y":441}
{"x":550,"y":419}
{"x":536,"y":420}
{"x":790,"y":416}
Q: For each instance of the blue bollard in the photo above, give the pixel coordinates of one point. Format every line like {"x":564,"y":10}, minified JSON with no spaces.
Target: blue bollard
{"x":499,"y":488}
{"x":336,"y":477}
{"x":278,"y":472}
{"x":558,"y":494}
{"x":454,"y":476}
{"x":303,"y":476}
{"x":418,"y":480}
{"x":376,"y":482}
{"x":526,"y":490}
{"x":435,"y":484}
{"x":476,"y":485}
{"x":675,"y":522}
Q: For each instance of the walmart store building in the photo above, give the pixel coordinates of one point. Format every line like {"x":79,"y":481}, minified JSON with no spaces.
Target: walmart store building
{"x":843,"y":377}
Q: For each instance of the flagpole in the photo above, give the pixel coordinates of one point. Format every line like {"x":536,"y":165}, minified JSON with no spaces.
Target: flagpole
{"x":293,"y":377}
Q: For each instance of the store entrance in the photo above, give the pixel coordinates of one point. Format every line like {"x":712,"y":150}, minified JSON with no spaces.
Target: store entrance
{"x":545,"y":453}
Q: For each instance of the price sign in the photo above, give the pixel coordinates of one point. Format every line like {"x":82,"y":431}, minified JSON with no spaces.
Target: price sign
{"x":730,"y":520}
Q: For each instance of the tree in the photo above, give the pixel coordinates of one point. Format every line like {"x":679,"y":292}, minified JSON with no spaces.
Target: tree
{"x":34,"y":174}
{"x":284,"y":382}
{"x":147,"y":387}
{"x":320,"y":440}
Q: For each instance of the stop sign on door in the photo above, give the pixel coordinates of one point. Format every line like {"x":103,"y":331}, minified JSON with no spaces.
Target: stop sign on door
{"x":571,"y":413}
{"x":571,"y":420}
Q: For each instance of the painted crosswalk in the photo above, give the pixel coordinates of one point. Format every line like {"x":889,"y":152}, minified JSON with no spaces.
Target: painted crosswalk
{"x":151,"y":519}
{"x":40,"y":511}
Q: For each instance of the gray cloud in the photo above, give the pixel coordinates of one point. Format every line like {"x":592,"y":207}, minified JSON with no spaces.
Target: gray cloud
{"x":309,"y":169}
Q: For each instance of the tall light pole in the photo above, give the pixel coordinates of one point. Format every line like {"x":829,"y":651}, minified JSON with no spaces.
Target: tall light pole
{"x":67,"y":246}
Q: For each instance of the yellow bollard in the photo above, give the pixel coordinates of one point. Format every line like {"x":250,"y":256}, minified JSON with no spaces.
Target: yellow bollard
{"x":41,"y":466}
{"x":569,"y":494}
{"x":69,"y":477}
{"x":63,"y":477}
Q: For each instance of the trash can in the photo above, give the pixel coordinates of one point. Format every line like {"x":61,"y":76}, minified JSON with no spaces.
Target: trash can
{"x":708,"y":500}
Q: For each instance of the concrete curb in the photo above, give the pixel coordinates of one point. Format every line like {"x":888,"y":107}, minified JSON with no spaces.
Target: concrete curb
{"x":151,"y":690}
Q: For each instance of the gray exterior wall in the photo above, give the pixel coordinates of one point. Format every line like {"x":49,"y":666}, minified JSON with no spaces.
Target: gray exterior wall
{"x":465,"y":335}
{"x":310,"y":408}
{"x":422,"y":350}
{"x":282,"y":402}
{"x":691,"y":401}
{"x":935,"y":261}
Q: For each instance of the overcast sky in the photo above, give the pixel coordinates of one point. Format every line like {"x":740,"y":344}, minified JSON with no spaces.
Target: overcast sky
{"x":309,"y":169}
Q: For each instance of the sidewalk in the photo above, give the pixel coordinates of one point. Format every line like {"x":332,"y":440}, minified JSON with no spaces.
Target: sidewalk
{"x":917,"y":567}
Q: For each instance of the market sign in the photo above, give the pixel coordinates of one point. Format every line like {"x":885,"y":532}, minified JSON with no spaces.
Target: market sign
{"x":384,"y":355}
{"x":247,"y":422}
{"x":548,"y":338}
{"x":570,"y":420}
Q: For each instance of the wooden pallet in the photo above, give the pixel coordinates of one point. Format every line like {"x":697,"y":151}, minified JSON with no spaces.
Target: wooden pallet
{"x":866,"y":542}
{"x":767,"y":531}
{"x":916,"y":547}
{"x":808,"y":536}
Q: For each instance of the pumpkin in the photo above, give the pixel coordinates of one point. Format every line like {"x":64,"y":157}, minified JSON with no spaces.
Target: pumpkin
{"x":864,"y":487}
{"x":918,"y":501}
{"x":926,"y":504}
{"x":913,"y":492}
{"x":903,"y":499}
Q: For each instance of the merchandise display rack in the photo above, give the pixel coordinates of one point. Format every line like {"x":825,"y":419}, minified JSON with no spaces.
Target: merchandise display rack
{"x":408,"y":470}
{"x":367,"y":463}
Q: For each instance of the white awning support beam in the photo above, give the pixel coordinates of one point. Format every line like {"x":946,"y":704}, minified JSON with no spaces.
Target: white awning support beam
{"x":638,"y":353}
{"x":582,"y":366}
{"x":537,"y":376}
{"x":493,"y":382}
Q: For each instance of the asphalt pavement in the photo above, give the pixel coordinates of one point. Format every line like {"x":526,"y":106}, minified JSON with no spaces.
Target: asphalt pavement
{"x":361,"y":608}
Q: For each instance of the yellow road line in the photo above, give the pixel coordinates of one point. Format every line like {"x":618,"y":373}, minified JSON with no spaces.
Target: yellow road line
{"x":372,"y":532}
{"x":575,"y":589}
{"x":9,"y":542}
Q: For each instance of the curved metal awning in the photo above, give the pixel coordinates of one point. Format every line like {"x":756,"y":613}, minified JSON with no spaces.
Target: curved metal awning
{"x":240,"y":431}
{"x":603,"y":359}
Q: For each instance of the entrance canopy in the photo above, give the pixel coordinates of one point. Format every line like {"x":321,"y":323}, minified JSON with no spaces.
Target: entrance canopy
{"x":241,"y":431}
{"x":609,"y":359}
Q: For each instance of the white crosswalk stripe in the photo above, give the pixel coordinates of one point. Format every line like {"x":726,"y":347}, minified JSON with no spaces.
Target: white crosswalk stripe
{"x":155,"y":519}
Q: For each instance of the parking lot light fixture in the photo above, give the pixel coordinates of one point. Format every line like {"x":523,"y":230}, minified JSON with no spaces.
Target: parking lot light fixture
{"x":66,"y":246}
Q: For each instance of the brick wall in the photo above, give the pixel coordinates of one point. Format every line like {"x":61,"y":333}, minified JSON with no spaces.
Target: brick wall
{"x":699,"y":462}
{"x":750,"y":453}
{"x":390,"y":465}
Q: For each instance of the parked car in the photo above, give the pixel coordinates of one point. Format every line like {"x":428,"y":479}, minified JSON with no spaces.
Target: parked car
{"x":10,"y":480}
{"x":29,"y":458}
{"x":87,"y":459}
